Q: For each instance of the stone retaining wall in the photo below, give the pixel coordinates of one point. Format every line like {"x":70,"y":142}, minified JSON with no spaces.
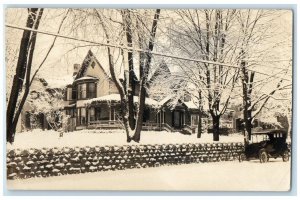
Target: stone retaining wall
{"x":56,"y":162}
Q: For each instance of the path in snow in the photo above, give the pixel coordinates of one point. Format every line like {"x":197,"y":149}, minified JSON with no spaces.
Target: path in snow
{"x":221,"y":176}
{"x":39,"y":139}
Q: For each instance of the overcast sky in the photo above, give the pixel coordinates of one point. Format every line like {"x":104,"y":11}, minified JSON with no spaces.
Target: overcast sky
{"x":59,"y":64}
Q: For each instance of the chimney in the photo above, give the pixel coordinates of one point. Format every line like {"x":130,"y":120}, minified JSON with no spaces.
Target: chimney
{"x":76,"y":69}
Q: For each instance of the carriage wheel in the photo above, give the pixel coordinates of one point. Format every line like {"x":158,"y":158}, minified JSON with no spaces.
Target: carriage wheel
{"x":285,"y":156}
{"x":263,"y":157}
{"x":242,"y":157}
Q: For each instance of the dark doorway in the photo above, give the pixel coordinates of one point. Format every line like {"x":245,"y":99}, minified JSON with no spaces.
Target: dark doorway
{"x":177,"y":119}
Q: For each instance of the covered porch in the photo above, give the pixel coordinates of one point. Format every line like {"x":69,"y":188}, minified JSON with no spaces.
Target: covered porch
{"x":105,"y":113}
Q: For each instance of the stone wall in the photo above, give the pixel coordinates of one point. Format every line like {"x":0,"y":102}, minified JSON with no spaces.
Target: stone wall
{"x":56,"y":162}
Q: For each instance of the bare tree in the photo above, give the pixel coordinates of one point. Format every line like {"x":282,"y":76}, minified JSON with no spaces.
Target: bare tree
{"x":126,"y":87}
{"x":206,"y":34}
{"x":23,"y":71}
{"x":26,"y":51}
{"x":257,"y":27}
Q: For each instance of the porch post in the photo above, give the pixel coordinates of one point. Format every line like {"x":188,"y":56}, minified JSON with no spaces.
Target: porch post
{"x":160,"y":118}
{"x":109,"y":112}
{"x":114,"y":113}
{"x":184,"y":117}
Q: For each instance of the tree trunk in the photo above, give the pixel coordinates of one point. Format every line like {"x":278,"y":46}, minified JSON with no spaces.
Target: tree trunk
{"x":289,"y":120}
{"x":131,"y":89}
{"x":246,"y":100}
{"x":216,"y":128}
{"x":199,"y":125}
{"x":23,"y":66}
{"x":200,"y":116}
{"x":139,"y":123}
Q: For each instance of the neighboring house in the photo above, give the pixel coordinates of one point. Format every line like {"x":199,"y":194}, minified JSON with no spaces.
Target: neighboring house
{"x":39,"y":106}
{"x":237,"y":117}
{"x":184,"y":114}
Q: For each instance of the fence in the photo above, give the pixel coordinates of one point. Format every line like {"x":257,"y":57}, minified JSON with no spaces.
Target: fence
{"x":55,"y":162}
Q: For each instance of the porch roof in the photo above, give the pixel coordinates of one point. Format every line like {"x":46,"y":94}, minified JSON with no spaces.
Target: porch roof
{"x":86,"y":78}
{"x":113,"y":98}
{"x":71,"y":105}
{"x":189,"y":104}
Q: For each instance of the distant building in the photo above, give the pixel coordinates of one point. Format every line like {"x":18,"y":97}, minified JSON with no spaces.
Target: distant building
{"x":38,"y":105}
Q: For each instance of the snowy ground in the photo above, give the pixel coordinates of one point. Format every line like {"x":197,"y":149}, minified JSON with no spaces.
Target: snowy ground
{"x":39,"y":139}
{"x":221,"y":176}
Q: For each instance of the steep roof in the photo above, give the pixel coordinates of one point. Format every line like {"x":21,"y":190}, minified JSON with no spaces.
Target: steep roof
{"x":163,"y":70}
{"x":86,"y":62}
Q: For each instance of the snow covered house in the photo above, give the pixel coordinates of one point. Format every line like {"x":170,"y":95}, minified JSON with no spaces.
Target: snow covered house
{"x":42,"y":107}
{"x":93,"y":101}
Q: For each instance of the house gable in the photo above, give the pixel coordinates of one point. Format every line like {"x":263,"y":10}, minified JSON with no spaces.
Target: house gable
{"x":91,"y":67}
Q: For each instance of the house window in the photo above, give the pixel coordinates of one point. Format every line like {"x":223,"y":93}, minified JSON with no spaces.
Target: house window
{"x":91,"y":90}
{"x":78,"y":117}
{"x":101,"y":113}
{"x":92,"y":114}
{"x":81,"y":116}
{"x":97,"y":113}
{"x":146,"y":115}
{"x":194,"y":120}
{"x":70,"y":112}
{"x":74,"y":93}
{"x":69,"y":94}
{"x":82,"y":91}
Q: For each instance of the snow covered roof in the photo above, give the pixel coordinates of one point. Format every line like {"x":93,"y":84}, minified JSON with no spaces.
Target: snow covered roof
{"x":86,"y":78}
{"x":59,"y":82}
{"x":191,"y":105}
{"x":70,"y":106}
{"x":89,"y":57}
{"x":116,"y":98}
{"x":165,"y":100}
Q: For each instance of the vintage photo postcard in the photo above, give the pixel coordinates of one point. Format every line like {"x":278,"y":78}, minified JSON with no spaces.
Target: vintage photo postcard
{"x":148,"y":99}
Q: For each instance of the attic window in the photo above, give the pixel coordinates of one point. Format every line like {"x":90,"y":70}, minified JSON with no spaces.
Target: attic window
{"x":93,"y":64}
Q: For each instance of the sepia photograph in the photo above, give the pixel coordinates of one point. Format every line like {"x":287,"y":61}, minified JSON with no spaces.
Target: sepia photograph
{"x":131,"y":99}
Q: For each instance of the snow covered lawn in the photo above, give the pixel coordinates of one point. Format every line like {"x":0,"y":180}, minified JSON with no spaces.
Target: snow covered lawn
{"x":220,"y":176}
{"x":48,"y":139}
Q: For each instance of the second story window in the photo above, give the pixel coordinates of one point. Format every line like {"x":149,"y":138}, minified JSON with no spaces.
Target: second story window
{"x":91,"y":90}
{"x":82,"y":91}
{"x":69,"y":94}
{"x":74,"y":93}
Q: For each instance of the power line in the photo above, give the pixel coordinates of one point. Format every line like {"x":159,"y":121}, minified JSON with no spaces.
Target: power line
{"x":263,"y":61}
{"x":133,"y":49}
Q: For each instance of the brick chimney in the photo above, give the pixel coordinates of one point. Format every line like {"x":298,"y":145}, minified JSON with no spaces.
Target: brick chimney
{"x":76,"y":69}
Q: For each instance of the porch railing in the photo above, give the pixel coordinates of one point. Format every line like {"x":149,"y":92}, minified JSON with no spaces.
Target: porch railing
{"x":151,"y":126}
{"x":105,"y":123}
{"x":117,"y":124}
